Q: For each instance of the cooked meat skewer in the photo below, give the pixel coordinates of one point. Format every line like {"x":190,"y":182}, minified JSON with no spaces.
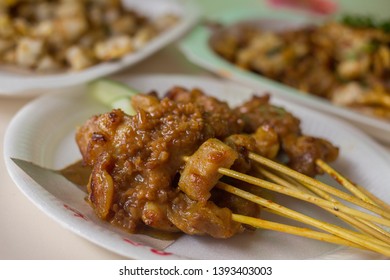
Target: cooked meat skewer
{"x":139,"y":157}
{"x":212,"y":156}
{"x":195,"y":166}
{"x":159,"y":167}
{"x":270,"y":186}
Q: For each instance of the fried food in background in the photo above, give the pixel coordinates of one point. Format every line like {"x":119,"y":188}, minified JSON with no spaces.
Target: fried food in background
{"x":347,"y":64}
{"x":55,"y":35}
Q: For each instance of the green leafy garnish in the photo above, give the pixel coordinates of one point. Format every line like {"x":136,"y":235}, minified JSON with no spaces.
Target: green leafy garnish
{"x":359,"y":21}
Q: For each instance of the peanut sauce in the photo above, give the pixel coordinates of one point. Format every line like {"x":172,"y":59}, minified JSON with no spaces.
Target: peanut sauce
{"x":78,"y":174}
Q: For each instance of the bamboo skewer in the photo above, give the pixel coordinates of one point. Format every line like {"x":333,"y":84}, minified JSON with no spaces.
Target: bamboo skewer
{"x":283,"y":182}
{"x":364,"y":226}
{"x":292,"y":183}
{"x":360,"y":224}
{"x":304,"y":232}
{"x":377,"y":200}
{"x":303,"y":196}
{"x":385,"y":234}
{"x":354,"y":188}
{"x":283,"y":214}
{"x":286,"y":212}
{"x":303,"y":178}
{"x":362,"y":240}
{"x":344,"y":182}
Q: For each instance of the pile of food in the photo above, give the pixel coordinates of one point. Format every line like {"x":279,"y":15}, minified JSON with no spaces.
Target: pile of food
{"x":53,"y":35}
{"x":159,"y":167}
{"x":189,"y":163}
{"x":347,"y":64}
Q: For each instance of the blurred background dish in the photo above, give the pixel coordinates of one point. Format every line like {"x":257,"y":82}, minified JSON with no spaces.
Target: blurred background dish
{"x":54,"y":44}
{"x":345,"y":62}
{"x":48,"y":239}
{"x":200,"y":47}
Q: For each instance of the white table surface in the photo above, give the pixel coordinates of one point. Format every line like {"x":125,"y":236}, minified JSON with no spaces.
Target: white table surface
{"x":28,"y":233}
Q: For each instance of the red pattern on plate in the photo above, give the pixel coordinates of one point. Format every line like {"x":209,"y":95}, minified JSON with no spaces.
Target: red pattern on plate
{"x":136,"y":244}
{"x":75,"y":212}
{"x":153,"y":250}
{"x":160,"y":253}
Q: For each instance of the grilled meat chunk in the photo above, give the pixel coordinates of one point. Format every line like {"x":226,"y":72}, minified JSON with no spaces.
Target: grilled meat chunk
{"x":146,"y":152}
{"x":200,"y":174}
{"x":220,"y":117}
{"x":301,"y":150}
{"x":139,"y":174}
{"x":195,"y":217}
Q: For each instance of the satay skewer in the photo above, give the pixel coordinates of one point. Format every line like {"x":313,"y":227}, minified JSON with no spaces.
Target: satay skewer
{"x":281,"y":181}
{"x":360,"y":239}
{"x":292,"y":214}
{"x":379,"y":230}
{"x":360,"y":224}
{"x":303,"y":178}
{"x":344,"y":182}
{"x":213,"y":160}
{"x":304,"y":232}
{"x":377,"y":200}
{"x":303,"y":196}
{"x":353,"y":188}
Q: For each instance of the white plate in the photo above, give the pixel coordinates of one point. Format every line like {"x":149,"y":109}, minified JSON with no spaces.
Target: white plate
{"x":43,"y":132}
{"x":21,"y":83}
{"x":197,"y":49}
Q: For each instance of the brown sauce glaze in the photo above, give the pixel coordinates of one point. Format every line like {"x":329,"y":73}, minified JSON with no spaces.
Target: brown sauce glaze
{"x":78,"y":174}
